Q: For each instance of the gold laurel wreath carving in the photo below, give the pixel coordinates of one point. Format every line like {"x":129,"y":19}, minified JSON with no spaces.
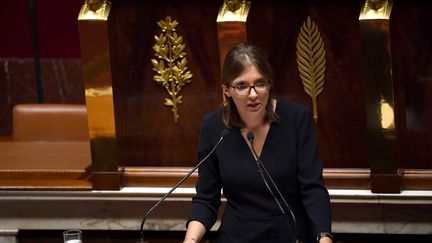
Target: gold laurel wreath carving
{"x":170,"y":63}
{"x":311,"y":61}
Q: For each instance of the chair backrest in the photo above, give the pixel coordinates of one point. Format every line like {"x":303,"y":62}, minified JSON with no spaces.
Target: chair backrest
{"x":50,"y":122}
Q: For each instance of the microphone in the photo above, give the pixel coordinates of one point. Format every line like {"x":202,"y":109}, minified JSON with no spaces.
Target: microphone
{"x":250,"y":136}
{"x":224,"y":133}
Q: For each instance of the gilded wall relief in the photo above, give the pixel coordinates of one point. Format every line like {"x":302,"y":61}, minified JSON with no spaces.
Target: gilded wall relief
{"x":311,"y":62}
{"x":170,"y":64}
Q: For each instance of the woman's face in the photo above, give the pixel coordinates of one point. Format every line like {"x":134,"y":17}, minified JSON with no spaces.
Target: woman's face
{"x":251,"y":105}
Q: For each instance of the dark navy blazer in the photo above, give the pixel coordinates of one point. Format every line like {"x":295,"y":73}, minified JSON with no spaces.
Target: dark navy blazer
{"x":290,"y":155}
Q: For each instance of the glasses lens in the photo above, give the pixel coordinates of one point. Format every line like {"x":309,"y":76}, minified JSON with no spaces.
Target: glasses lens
{"x":242,"y":89}
{"x":261,"y":87}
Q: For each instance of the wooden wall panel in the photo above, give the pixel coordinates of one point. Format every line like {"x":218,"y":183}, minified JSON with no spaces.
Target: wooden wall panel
{"x":147,"y":133}
{"x":146,"y":130}
{"x":149,"y":137}
{"x":341,"y":121}
{"x":411,"y":45}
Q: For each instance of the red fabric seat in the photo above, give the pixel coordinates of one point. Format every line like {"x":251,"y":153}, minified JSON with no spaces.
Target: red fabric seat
{"x":50,"y":122}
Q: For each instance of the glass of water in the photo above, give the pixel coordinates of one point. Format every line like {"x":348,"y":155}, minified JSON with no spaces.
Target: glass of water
{"x":72,"y":236}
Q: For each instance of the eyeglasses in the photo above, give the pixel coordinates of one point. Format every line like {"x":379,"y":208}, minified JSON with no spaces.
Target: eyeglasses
{"x":243,"y":89}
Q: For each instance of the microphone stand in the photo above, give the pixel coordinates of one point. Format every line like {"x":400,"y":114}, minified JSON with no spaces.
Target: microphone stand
{"x":260,"y":165}
{"x":223,"y":134}
{"x":267,"y":185}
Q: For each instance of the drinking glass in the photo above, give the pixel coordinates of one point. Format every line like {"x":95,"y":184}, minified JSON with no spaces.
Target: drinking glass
{"x":72,"y":236}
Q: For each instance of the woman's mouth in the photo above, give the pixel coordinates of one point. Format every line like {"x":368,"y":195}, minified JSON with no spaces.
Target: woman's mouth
{"x":253,"y":106}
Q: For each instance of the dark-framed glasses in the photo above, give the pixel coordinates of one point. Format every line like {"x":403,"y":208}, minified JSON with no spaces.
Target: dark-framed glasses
{"x":243,"y":89}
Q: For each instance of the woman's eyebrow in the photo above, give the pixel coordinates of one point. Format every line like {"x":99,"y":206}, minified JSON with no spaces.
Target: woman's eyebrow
{"x":239,"y":82}
{"x":261,"y":79}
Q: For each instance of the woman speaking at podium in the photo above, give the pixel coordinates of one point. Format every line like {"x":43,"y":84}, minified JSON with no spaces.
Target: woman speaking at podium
{"x":279,"y":135}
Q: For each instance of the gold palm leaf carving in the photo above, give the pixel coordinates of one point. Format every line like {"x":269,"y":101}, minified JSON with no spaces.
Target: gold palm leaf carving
{"x":170,"y":63}
{"x":311,"y":61}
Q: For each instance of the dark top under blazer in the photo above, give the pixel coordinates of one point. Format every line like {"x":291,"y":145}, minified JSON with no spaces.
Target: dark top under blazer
{"x":252,"y":215}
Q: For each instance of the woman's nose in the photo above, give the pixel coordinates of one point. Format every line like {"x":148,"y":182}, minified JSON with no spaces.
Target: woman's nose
{"x":252,"y":92}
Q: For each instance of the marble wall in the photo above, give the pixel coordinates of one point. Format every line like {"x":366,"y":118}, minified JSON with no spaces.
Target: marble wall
{"x":62,"y":82}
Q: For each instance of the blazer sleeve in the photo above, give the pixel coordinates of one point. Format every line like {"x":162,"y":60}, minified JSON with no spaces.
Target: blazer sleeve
{"x":314,"y":195}
{"x":206,"y":203}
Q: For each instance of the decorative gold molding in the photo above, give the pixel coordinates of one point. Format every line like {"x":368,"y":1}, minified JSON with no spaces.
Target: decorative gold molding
{"x":95,"y":10}
{"x":311,"y":61}
{"x":170,"y":64}
{"x":234,"y":10}
{"x":376,"y":9}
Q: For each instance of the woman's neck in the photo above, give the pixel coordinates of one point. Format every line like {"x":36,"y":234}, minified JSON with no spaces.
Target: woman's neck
{"x":254,"y":124}
{"x":260,"y":133}
{"x":257,"y":121}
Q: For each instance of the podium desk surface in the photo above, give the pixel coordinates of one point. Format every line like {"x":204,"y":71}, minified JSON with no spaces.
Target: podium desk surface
{"x":353,"y":211}
{"x":43,"y":155}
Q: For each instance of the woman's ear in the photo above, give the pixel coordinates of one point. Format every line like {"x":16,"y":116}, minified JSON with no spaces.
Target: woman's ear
{"x":225,"y":90}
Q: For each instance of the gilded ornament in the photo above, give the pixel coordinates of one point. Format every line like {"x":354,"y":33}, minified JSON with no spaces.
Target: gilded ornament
{"x":170,"y":63}
{"x":95,"y":10}
{"x":311,"y":62}
{"x":233,"y":10}
{"x":376,"y":9}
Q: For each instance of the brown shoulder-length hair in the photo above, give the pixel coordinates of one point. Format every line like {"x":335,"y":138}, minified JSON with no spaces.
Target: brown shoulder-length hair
{"x":236,"y":61}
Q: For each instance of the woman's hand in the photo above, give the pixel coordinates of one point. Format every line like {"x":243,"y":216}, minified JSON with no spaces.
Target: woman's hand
{"x":195,"y":232}
{"x":325,"y":240}
{"x":190,"y":240}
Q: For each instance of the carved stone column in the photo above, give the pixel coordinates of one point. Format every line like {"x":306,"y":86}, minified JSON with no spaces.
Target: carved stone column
{"x":379,"y":96}
{"x":96,"y":67}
